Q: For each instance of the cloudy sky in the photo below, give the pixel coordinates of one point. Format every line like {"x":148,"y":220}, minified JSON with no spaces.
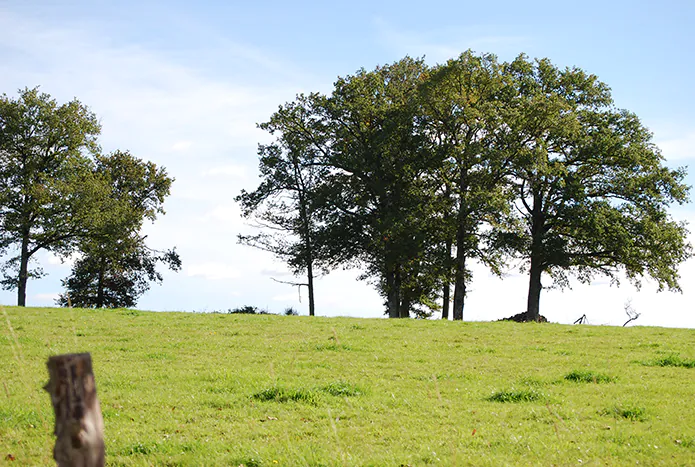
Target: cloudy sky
{"x":184,"y":83}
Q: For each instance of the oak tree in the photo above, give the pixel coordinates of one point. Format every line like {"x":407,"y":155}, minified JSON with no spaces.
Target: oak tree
{"x":48,"y":195}
{"x":115,"y":266}
{"x":592,"y":188}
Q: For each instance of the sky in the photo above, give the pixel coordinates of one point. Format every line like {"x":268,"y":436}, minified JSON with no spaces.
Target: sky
{"x":184,"y":84}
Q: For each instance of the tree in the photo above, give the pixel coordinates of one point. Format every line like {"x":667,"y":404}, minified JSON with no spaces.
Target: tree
{"x":284,"y":202}
{"x":464,"y":103}
{"x":378,"y":201}
{"x":48,"y":196}
{"x":592,"y":191}
{"x":116,"y":266}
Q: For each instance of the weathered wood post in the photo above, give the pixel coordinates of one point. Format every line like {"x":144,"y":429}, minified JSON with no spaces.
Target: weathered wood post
{"x":79,"y":426}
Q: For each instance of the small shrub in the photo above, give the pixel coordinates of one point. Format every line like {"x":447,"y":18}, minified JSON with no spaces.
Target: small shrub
{"x":289,"y":311}
{"x":514,"y":395}
{"x":579,"y":376}
{"x":244,"y":310}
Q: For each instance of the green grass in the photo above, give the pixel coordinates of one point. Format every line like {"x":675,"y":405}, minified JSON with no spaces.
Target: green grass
{"x":263,"y":390}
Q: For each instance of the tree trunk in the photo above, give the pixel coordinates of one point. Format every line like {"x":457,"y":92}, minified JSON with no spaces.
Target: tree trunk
{"x":534,"y":290}
{"x":79,"y":426}
{"x":446,"y":292}
{"x":23,"y":271}
{"x":446,"y":300}
{"x":404,"y":307}
{"x":537,"y":261}
{"x":461,"y":246}
{"x":100,"y":284}
{"x":460,"y":285}
{"x":393,"y":293}
{"x":310,"y":286}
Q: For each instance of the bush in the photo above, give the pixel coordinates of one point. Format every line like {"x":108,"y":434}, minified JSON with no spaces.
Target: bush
{"x":244,"y":310}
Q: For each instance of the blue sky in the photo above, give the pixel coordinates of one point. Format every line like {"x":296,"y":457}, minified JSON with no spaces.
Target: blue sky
{"x":184,"y":84}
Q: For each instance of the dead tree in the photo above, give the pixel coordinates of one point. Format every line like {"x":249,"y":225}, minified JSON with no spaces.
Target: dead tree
{"x":630,"y":312}
{"x":79,"y":426}
{"x":582,"y":320}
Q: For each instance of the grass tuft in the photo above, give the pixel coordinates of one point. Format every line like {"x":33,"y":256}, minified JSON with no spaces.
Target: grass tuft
{"x":686,"y":442}
{"x":333,"y":347}
{"x":516,"y":395}
{"x":342,"y":389}
{"x":672,"y":360}
{"x":579,"y":376}
{"x":249,"y":462}
{"x":629,"y":412}
{"x":280,"y":394}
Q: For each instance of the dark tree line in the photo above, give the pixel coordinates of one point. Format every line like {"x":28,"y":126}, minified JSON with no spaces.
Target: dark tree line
{"x":412,"y":172}
{"x":59,"y":193}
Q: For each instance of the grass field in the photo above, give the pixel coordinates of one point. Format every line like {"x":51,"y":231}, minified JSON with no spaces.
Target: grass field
{"x":261,"y":390}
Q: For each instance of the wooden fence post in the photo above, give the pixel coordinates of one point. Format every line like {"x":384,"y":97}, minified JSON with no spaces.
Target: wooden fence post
{"x":79,"y":426}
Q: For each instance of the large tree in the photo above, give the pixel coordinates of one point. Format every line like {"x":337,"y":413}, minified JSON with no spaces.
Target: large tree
{"x":592,"y":189}
{"x":48,"y":195}
{"x":115,"y":265}
{"x":463,"y":112}
{"x":379,"y":209}
{"x":284,"y":202}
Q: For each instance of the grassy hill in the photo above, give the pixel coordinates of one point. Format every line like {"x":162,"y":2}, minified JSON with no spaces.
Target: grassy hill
{"x":259,"y":390}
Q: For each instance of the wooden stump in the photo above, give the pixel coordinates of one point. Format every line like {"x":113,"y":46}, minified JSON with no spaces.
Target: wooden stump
{"x":79,"y":426}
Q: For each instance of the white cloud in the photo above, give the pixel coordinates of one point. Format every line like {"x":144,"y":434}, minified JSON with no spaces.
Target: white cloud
{"x":46,"y":298}
{"x":233,"y":171}
{"x":181,"y":146}
{"x":444,"y":43}
{"x":288,"y":297}
{"x":58,"y":261}
{"x":213,"y":271}
{"x":225,"y":215}
{"x":679,"y":148}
